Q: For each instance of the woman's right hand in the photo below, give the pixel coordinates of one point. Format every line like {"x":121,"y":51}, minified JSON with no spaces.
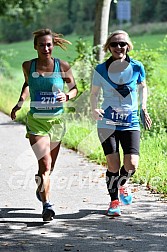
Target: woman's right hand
{"x":13,"y":112}
{"x":145,"y":118}
{"x":98,"y":114}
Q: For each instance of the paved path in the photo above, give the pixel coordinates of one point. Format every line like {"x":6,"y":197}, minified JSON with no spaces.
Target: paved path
{"x":80,"y":197}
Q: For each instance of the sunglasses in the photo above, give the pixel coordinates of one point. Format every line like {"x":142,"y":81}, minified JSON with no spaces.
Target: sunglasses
{"x":115,"y":44}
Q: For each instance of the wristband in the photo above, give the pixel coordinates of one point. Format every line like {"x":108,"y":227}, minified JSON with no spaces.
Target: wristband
{"x":67,"y":97}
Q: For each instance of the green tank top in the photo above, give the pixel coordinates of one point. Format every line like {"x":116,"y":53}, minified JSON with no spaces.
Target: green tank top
{"x":43,"y":90}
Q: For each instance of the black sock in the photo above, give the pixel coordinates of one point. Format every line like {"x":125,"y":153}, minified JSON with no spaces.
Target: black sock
{"x":124,"y":176}
{"x":111,"y":181}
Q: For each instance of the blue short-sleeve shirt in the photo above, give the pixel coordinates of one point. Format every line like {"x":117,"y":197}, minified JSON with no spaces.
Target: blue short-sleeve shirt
{"x":119,"y":101}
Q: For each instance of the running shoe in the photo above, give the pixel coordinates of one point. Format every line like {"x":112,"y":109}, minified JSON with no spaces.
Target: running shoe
{"x":48,"y":212}
{"x":125,"y":195}
{"x":114,"y":209}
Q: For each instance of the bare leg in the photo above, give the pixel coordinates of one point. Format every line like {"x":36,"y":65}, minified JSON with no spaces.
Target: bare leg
{"x":55,"y":147}
{"x":113,"y":162}
{"x":41,"y":148}
{"x":131,"y":162}
{"x":129,"y":167}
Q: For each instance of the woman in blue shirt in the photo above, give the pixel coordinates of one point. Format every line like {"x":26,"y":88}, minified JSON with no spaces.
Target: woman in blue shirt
{"x":44,"y":81}
{"x":121,"y":79}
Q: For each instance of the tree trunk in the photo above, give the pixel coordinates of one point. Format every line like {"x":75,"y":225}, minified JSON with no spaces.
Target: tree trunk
{"x":101,"y":25}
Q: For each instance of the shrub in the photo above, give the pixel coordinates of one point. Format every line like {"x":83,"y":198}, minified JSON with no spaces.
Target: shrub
{"x":4,"y":64}
{"x":83,"y":65}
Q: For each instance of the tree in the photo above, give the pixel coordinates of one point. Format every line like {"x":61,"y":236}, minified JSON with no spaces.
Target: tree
{"x":101,"y":25}
{"x":23,"y":8}
{"x":148,"y":11}
{"x":161,"y":13}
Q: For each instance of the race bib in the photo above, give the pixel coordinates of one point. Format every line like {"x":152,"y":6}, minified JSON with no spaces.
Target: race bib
{"x":118,"y":116}
{"x":45,"y":100}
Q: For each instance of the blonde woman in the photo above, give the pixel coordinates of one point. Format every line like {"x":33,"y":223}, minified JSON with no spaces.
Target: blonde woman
{"x":44,"y":81}
{"x":120,"y":78}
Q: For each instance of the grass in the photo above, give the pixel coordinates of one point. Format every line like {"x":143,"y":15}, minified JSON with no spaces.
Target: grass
{"x":152,"y":41}
{"x":81,"y":134}
{"x":153,"y":166}
{"x":24,"y":50}
{"x":152,"y":169}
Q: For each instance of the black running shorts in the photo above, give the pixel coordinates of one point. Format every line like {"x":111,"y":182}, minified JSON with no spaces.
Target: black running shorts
{"x":111,"y":140}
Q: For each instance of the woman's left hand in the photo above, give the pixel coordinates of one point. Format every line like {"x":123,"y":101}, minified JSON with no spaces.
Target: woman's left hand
{"x":61,"y":97}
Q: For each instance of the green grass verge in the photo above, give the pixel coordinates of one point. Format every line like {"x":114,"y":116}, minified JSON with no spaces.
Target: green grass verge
{"x":24,"y":50}
{"x":81,"y":134}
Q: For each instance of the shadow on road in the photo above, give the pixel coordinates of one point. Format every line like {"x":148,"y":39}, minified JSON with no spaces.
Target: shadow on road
{"x":86,"y":230}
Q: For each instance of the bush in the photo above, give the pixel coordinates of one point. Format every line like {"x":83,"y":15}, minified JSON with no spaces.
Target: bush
{"x":156,"y":80}
{"x":15,"y":31}
{"x":83,"y":65}
{"x":4,"y":65}
{"x":152,"y":61}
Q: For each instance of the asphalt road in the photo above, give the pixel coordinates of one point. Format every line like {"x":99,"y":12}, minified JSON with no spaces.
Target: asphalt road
{"x":80,"y":200}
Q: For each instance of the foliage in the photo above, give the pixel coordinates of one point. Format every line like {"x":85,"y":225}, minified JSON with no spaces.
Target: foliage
{"x":161,"y":12}
{"x":84,"y":62}
{"x":82,"y":136}
{"x":157,"y":99}
{"x":149,"y":11}
{"x":77,"y":134}
{"x":14,"y":31}
{"x":83,"y":65}
{"x":154,"y":140}
{"x":152,"y":169}
{"x":151,"y":59}
{"x":81,"y":133}
{"x":18,"y":18}
{"x":23,"y":9}
{"x":4,"y":64}
{"x":147,"y":28}
{"x":56,"y":17}
{"x":69,"y":16}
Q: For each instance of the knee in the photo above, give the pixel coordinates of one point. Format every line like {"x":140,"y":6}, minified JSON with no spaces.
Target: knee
{"x":113,"y":162}
{"x":131,"y":164}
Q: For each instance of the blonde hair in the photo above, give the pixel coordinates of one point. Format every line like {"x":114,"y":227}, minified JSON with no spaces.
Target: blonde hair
{"x":56,"y":38}
{"x":117,"y":32}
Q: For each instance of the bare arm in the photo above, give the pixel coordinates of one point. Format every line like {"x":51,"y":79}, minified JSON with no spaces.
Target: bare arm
{"x":96,"y":112}
{"x":24,"y":92}
{"x":68,"y":77}
{"x":143,"y":95}
{"x":146,"y":120}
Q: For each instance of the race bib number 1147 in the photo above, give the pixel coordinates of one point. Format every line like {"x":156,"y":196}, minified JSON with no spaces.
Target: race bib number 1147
{"x":121,"y":116}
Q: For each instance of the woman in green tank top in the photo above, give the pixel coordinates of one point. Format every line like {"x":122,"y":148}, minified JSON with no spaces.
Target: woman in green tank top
{"x":44,"y":82}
